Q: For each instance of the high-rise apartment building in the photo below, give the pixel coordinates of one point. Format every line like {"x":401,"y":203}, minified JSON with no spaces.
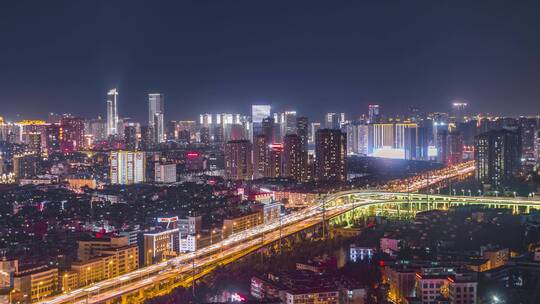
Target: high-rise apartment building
{"x":127,"y":167}
{"x":498,"y":157}
{"x":302,"y":129}
{"x":274,"y":163}
{"x":293,"y":157}
{"x":260,"y":155}
{"x":238,"y":163}
{"x":112,"y":112}
{"x":331,"y":154}
{"x":156,"y":111}
{"x":71,"y":134}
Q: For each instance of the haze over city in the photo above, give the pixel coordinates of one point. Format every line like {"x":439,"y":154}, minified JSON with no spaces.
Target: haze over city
{"x":309,"y":56}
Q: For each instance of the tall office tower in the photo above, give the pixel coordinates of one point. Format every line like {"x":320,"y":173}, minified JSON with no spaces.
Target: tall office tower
{"x":112,"y":113}
{"x":205,"y":121}
{"x":147,"y":138}
{"x":331,"y":154}
{"x":459,"y":111}
{"x":332,"y":121}
{"x":71,"y":134}
{"x":468,"y":131}
{"x":238,"y":165}
{"x":268,"y":130}
{"x":442,"y":146}
{"x":294,"y":161}
{"x":127,"y":167}
{"x":172,"y":130}
{"x":274,"y":163}
{"x":373,"y":113}
{"x":426,"y":139}
{"x":97,"y":128}
{"x":156,"y":111}
{"x":302,"y":129}
{"x":455,"y":148}
{"x":130,"y":137}
{"x":159,"y":131}
{"x":258,"y":114}
{"x":287,"y":122}
{"x":204,"y":135}
{"x":260,"y":155}
{"x":313,"y":128}
{"x":357,"y":138}
{"x":498,"y":157}
{"x":449,"y":147}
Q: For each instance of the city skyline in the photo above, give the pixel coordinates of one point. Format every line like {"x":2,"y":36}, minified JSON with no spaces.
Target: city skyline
{"x":233,"y":55}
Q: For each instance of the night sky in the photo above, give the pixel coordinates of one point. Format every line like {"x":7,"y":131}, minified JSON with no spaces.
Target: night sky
{"x":311,"y":56}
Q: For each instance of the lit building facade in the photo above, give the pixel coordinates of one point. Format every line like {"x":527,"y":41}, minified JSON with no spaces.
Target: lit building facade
{"x":331,"y":154}
{"x":238,"y":163}
{"x":156,"y":112}
{"x":498,"y":157}
{"x":112,"y":112}
{"x":127,"y":167}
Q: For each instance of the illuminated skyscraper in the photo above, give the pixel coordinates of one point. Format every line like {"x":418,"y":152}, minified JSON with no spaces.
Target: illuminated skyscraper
{"x":156,"y":112}
{"x":373,"y":113}
{"x":293,"y":157}
{"x":238,"y":165}
{"x":331,"y":154}
{"x":259,"y":112}
{"x":112,"y":113}
{"x":498,"y":157}
{"x":314,"y":127}
{"x":260,"y":155}
{"x":357,"y":138}
{"x":334,"y":120}
{"x":71,"y":134}
{"x":459,"y":110}
{"x":302,"y":129}
{"x":274,"y":165}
